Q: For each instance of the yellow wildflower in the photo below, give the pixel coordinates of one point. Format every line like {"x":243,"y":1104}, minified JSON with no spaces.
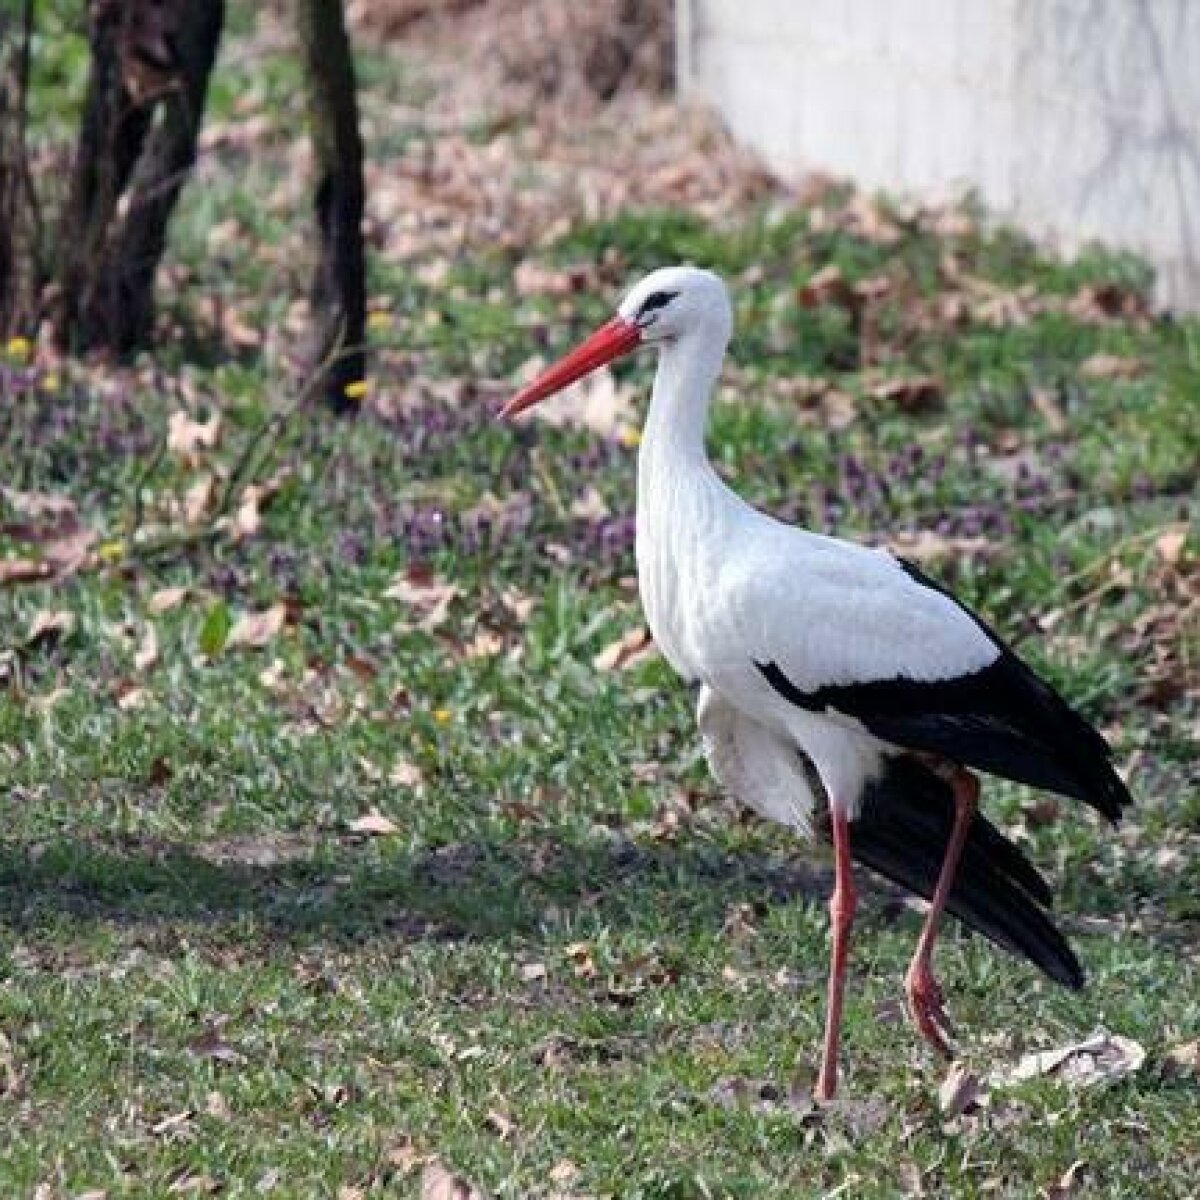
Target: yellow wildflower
{"x":629,"y":437}
{"x":19,"y":347}
{"x":357,"y":389}
{"x":379,"y":320}
{"x":442,"y":715}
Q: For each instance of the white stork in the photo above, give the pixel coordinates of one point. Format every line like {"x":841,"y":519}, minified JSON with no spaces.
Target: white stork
{"x":833,"y":669}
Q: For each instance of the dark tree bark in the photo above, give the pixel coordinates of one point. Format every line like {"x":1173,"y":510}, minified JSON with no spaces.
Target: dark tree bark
{"x":338,"y":294}
{"x":20,"y":233}
{"x":150,"y":63}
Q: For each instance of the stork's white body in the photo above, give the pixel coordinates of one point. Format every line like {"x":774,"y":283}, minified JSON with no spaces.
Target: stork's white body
{"x":725,"y":587}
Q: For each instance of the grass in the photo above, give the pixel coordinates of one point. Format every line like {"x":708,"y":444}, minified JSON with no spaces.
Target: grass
{"x":571,"y":967}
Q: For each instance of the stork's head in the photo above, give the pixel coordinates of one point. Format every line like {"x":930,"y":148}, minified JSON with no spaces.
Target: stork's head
{"x":667,"y":305}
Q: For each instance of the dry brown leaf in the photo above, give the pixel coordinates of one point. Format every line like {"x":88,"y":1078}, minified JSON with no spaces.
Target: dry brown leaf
{"x":188,"y":438}
{"x":500,"y":1123}
{"x":438,"y":1182}
{"x":563,"y":1171}
{"x":960,"y":1091}
{"x":194,"y":1185}
{"x":211,"y":1045}
{"x":826,"y":286}
{"x":24,"y":570}
{"x":166,"y":599}
{"x":374,"y":824}
{"x":52,"y":524}
{"x":146,"y":655}
{"x":1101,"y":1058}
{"x":631,"y":648}
{"x":519,"y":605}
{"x":1111,"y":366}
{"x":927,"y":546}
{"x":173,"y":1123}
{"x":38,"y":505}
{"x":1170,"y":543}
{"x":1046,"y":403}
{"x":406,"y":774}
{"x":50,"y":626}
{"x":590,"y":505}
{"x":485,"y":644}
{"x":915,"y":394}
{"x":1183,"y":1061}
{"x":198,"y":498}
{"x":129,"y":695}
{"x":1069,"y":1182}
{"x":427,"y":597}
{"x":253,"y":630}
{"x":839,"y":409}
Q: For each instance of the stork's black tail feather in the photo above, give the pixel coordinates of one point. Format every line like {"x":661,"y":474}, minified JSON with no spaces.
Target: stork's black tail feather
{"x":902,"y":831}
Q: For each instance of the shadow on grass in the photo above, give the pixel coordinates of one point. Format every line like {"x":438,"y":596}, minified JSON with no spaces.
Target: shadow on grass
{"x":311,"y":890}
{"x":297,"y":890}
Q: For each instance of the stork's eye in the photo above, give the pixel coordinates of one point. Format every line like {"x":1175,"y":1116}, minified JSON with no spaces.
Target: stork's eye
{"x":655,"y":301}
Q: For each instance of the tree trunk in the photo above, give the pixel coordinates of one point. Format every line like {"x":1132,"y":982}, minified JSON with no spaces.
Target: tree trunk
{"x":338,"y":294}
{"x":20,"y":241}
{"x":137,"y":143}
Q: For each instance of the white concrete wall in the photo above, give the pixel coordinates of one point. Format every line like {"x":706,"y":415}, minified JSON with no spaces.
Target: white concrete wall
{"x":1079,"y":119}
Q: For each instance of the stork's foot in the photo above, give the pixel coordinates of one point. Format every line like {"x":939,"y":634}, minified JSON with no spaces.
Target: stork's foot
{"x":927,"y":1008}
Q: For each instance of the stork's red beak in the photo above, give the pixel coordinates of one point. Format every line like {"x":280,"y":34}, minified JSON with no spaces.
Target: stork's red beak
{"x":611,"y":340}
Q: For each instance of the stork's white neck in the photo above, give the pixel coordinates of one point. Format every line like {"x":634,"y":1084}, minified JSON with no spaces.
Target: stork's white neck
{"x":673,"y":439}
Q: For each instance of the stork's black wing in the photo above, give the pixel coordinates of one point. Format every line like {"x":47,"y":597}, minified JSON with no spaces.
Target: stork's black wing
{"x":1004,"y":719}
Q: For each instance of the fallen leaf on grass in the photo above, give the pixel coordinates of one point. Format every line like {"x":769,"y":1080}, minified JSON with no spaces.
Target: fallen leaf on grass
{"x":166,"y":599}
{"x":146,"y":655}
{"x":918,"y":393}
{"x":927,"y":546}
{"x":52,"y":524}
{"x":24,"y":570}
{"x":563,"y":1171}
{"x":438,"y":1182}
{"x":195,"y":1185}
{"x":50,"y":626}
{"x":1068,"y":1183}
{"x":959,"y":1091}
{"x":1110,"y":366}
{"x":253,"y":630}
{"x":1183,"y":1061}
{"x":406,"y":774}
{"x":1101,"y":1058}
{"x":197,"y":499}
{"x":1170,"y":543}
{"x":428,"y":597}
{"x":128,"y":695}
{"x":631,"y":648}
{"x":500,"y":1123}
{"x":187,"y":437}
{"x":173,"y":1123}
{"x":839,"y":409}
{"x":485,"y":644}
{"x":212,"y":1046}
{"x":1046,"y":403}
{"x":374,"y":824}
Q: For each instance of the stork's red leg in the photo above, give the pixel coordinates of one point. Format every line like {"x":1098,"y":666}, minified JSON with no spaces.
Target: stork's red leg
{"x":841,"y":913}
{"x":925,"y":1001}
